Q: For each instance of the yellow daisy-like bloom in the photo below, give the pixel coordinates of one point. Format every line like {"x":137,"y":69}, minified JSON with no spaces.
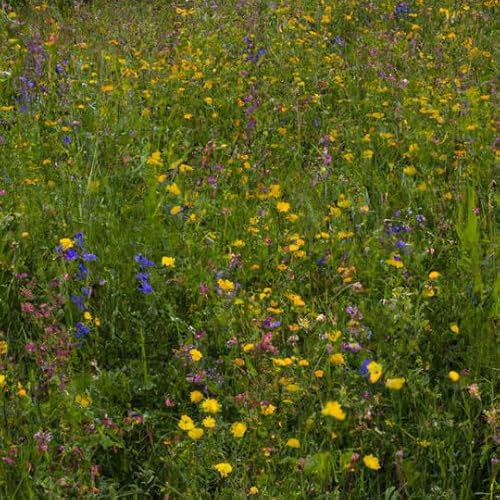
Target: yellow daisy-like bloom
{"x":196,"y":396}
{"x":66,"y":243}
{"x":186,"y":423}
{"x":210,"y":406}
{"x":333,"y":409}
{"x":296,"y":300}
{"x":195,"y":355}
{"x":375,"y":371}
{"x":371,"y":462}
{"x":155,"y":159}
{"x":83,"y":401}
{"x":410,"y":170}
{"x":168,"y":261}
{"x":267,"y":409}
{"x":395,"y":383}
{"x":224,"y":469}
{"x":293,"y":443}
{"x":225,"y":285}
{"x":434,"y":275}
{"x":253,"y":490}
{"x":283,"y":206}
{"x":337,"y":359}
{"x":209,"y":422}
{"x":196,"y":433}
{"x":4,"y":348}
{"x":453,"y":376}
{"x":395,"y":262}
{"x":173,"y":189}
{"x":454,"y":328}
{"x":319,"y":373}
{"x":238,"y":429}
{"x":2,"y":380}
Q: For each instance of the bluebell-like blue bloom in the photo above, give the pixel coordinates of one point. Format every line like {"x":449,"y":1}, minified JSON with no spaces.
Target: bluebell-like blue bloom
{"x":88,"y":257}
{"x":78,"y":301}
{"x":364,"y":367}
{"x":70,"y":254}
{"x":66,"y":140}
{"x":79,"y":239}
{"x":143,"y":261}
{"x":145,"y":287}
{"x":402,"y":9}
{"x":81,"y":330}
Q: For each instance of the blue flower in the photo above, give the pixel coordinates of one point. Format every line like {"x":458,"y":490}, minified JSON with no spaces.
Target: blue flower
{"x":364,"y":367}
{"x":81,"y":330}
{"x":79,"y":239}
{"x":70,"y":254}
{"x":78,"y":301}
{"x":143,"y":261}
{"x":145,"y":287}
{"x":88,"y":257}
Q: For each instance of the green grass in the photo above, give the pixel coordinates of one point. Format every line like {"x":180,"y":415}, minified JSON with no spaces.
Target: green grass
{"x":322,"y":174}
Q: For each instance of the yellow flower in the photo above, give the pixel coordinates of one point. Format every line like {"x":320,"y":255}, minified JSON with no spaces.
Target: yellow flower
{"x":210,"y":406}
{"x":293,"y":443}
{"x":453,"y":376}
{"x":367,"y":154}
{"x":155,"y":159}
{"x":83,"y":401}
{"x":337,"y":359}
{"x":107,"y":88}
{"x":209,"y":422}
{"x":186,"y":423}
{"x":395,"y":261}
{"x":319,"y":373}
{"x":253,"y":490}
{"x":173,"y":189}
{"x":2,"y":380}
{"x":196,"y":433}
{"x":225,"y":285}
{"x":371,"y":462}
{"x":333,"y":409}
{"x":454,"y":328}
{"x":175,"y":210}
{"x":410,"y":171}
{"x":296,"y":300}
{"x":196,"y":396}
{"x":283,"y":206}
{"x":434,"y":275}
{"x":375,"y":371}
{"x":195,"y":355}
{"x":4,"y":348}
{"x":267,"y":409}
{"x":168,"y":261}
{"x":66,"y":243}
{"x":224,"y":469}
{"x":238,"y":429}
{"x":395,"y":383}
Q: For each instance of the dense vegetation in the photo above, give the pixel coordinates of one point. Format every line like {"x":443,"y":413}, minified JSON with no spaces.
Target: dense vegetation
{"x":247,"y":249}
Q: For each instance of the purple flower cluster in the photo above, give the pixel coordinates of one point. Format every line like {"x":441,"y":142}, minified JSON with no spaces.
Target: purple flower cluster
{"x":143,"y":276}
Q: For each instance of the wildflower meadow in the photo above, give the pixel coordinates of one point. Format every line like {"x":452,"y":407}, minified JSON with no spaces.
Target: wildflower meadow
{"x":247,"y":249}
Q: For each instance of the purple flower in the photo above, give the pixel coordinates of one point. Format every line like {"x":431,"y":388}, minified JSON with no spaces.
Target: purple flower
{"x":364,"y":367}
{"x":70,"y":254}
{"x":143,"y":261}
{"x":81,"y":330}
